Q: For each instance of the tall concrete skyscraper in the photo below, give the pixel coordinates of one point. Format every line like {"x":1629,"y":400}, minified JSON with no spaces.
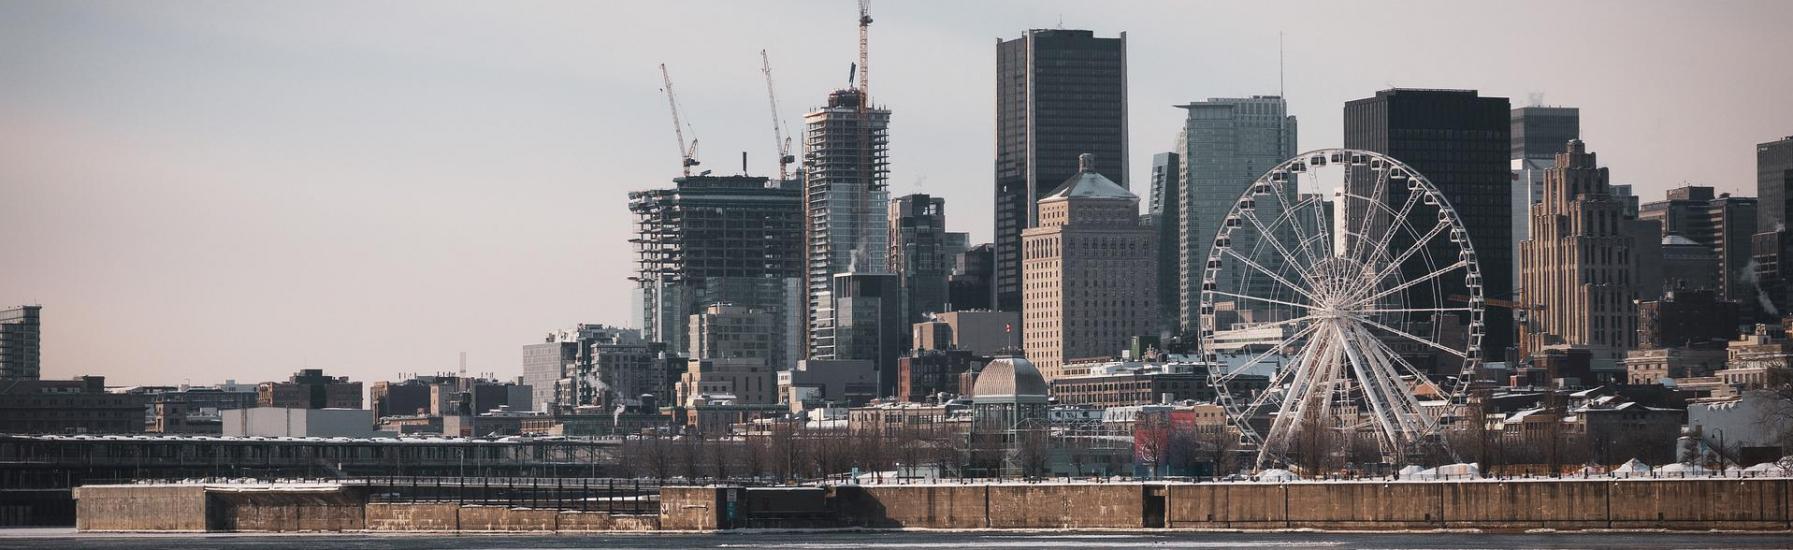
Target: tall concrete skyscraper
{"x":1581,"y":281}
{"x":1460,"y":141}
{"x":1059,"y":93}
{"x":1226,"y":144}
{"x":21,"y":343}
{"x":1091,"y":280}
{"x":922,"y":253}
{"x":846,"y":204}
{"x":718,"y":239}
{"x":1539,"y":133}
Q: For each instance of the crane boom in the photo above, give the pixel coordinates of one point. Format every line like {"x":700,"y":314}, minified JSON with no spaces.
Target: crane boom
{"x":687,"y":153}
{"x":780,"y":142}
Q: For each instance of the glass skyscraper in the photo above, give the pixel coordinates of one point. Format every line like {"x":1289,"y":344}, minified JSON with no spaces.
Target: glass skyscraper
{"x":1059,"y":93}
{"x":1226,"y":144}
{"x":1461,"y":142}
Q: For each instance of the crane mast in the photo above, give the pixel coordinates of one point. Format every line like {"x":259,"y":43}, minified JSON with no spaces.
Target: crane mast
{"x":866,"y":170}
{"x":687,"y":153}
{"x":780,"y":141}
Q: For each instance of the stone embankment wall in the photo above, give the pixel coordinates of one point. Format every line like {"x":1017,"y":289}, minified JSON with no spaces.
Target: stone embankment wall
{"x":1732,"y":504}
{"x":1693,"y":504}
{"x":196,"y":508}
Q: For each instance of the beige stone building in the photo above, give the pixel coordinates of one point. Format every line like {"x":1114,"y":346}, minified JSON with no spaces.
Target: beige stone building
{"x":1577,"y":268}
{"x":730,"y":351}
{"x":1089,"y":274}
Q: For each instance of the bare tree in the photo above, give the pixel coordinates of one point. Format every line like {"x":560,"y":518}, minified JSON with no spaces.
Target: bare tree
{"x":652,"y":457}
{"x":1152,"y":442}
{"x":1033,"y":450}
{"x":1777,"y":415}
{"x":909,"y":446}
{"x":690,"y":451}
{"x":1218,"y":445}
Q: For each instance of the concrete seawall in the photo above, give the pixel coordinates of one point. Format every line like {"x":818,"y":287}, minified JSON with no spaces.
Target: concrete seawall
{"x":1692,"y":504}
{"x":199,"y":508}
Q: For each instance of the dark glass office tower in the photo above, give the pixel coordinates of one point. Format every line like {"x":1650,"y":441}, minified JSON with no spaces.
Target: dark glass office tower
{"x":1774,"y":175}
{"x":1460,"y":141}
{"x":1772,"y":243}
{"x":1541,"y":132}
{"x":1059,"y":94}
{"x":1162,"y":215}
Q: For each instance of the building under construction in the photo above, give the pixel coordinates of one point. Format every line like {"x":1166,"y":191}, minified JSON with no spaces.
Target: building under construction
{"x":846,"y":168}
{"x":719,"y":239}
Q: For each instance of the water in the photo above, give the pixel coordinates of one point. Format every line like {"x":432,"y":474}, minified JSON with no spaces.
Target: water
{"x":65,"y":538}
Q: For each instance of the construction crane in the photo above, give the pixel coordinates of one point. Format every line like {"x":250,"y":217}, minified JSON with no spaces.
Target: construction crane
{"x":780,"y":141}
{"x":865,"y":27}
{"x":687,"y":153}
{"x":866,"y":169}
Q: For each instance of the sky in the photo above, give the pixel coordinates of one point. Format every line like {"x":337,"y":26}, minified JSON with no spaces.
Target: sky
{"x":201,"y":191}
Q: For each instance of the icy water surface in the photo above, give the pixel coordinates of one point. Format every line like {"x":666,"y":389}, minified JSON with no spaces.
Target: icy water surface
{"x":63,"y":538}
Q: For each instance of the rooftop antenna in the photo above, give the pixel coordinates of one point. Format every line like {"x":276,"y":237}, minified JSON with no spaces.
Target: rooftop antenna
{"x":1279,"y":65}
{"x":463,"y":364}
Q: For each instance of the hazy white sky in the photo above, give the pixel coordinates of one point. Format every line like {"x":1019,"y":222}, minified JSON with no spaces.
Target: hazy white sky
{"x":210,"y":190}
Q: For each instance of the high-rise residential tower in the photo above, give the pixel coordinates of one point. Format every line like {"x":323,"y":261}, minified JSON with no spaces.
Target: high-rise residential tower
{"x":21,"y":347}
{"x":1459,"y":141}
{"x":1226,"y":144}
{"x":718,"y":239}
{"x":1581,"y":281}
{"x":1059,"y":93}
{"x":846,"y":204}
{"x":1090,"y":281}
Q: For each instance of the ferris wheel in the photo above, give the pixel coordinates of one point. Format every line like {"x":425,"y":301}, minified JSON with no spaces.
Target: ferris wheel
{"x":1361,"y":304}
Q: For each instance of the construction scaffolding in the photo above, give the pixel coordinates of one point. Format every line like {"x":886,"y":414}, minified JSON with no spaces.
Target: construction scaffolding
{"x":714,"y":239}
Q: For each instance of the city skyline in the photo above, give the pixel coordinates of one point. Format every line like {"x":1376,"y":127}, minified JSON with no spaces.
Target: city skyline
{"x":246,"y":190}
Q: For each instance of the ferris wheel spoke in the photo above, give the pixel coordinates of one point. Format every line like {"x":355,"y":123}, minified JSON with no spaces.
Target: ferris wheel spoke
{"x":1404,"y":334}
{"x":1259,"y":298}
{"x":1421,"y":423}
{"x":1288,"y":257}
{"x":1272,"y":275}
{"x":1374,"y":383}
{"x":1416,"y":310}
{"x":1419,"y":377}
{"x":1374,"y":198}
{"x":1394,"y":265}
{"x":1293,"y":213}
{"x":1408,"y":284}
{"x":1374,"y":208}
{"x":1228,"y":377}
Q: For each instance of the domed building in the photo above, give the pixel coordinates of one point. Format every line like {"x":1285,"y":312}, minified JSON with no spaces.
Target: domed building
{"x":1009,"y":431}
